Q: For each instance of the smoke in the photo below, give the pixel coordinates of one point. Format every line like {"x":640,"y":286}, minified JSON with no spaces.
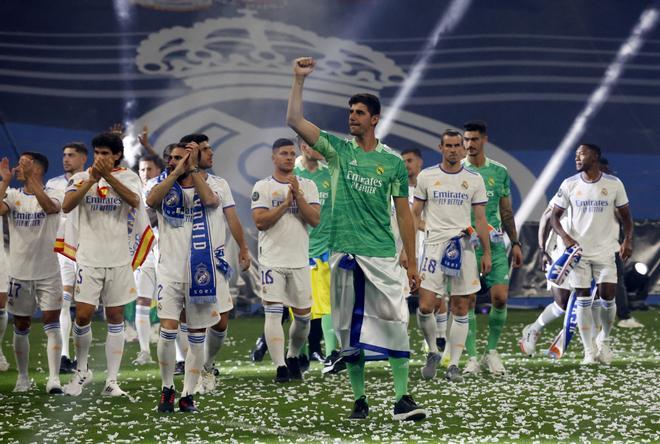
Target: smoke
{"x":627,"y":51}
{"x":446,"y":24}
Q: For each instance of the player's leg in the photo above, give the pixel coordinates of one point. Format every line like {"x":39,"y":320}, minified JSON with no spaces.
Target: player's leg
{"x":143,"y":327}
{"x":441,"y":318}
{"x":170,"y":298}
{"x":460,"y":305}
{"x":68,"y":273}
{"x":552,"y":311}
{"x":427,"y":325}
{"x":580,"y":279}
{"x":22,"y":352}
{"x":298,"y":291}
{"x":82,"y":340}
{"x":606,"y":279}
{"x":498,"y":282}
{"x":273,"y":291}
{"x":49,"y":297}
{"x":215,"y":338}
{"x":472,"y":367}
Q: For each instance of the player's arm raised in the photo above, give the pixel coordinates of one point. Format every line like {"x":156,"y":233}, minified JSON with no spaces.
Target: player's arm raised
{"x":310,"y":133}
{"x":482,"y":231}
{"x":509,"y":225}
{"x":627,"y":222}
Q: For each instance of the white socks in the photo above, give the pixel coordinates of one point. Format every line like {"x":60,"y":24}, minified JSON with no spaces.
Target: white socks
{"x":114,"y":349}
{"x":441,"y":324}
{"x":167,"y":355}
{"x":53,"y":349}
{"x":426,"y":322}
{"x":457,"y":335}
{"x":194,"y":362}
{"x":214,"y":341}
{"x":549,"y":314}
{"x":65,"y":323}
{"x":298,"y":333}
{"x":142,"y":326}
{"x":22,"y":351}
{"x":585,"y":322}
{"x":607,"y":316}
{"x":182,"y":343}
{"x":274,"y":333}
{"x":82,"y":339}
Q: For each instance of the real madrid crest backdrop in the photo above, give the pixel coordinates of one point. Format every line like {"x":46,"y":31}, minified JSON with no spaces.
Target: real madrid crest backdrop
{"x":69,"y":69}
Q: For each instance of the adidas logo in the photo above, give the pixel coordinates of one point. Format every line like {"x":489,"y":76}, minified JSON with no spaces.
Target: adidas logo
{"x":353,"y":162}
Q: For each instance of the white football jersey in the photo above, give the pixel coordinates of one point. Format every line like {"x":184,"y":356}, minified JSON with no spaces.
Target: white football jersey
{"x":174,"y":243}
{"x":448,"y":198}
{"x":592,"y":222}
{"x":32,"y":235}
{"x":286,"y":243}
{"x":103,"y":221}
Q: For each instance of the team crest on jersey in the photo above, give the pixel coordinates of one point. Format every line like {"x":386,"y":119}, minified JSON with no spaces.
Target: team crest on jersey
{"x":603,"y":191}
{"x":326,"y":184}
{"x":436,"y":183}
{"x":255,"y":196}
{"x":491,"y":181}
{"x":465,"y":185}
{"x":380,"y":169}
{"x":172,"y":198}
{"x":17,"y":203}
{"x":202,"y":275}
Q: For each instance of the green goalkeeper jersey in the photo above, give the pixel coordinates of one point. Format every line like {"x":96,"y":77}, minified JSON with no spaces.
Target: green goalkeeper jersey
{"x":498,"y":185}
{"x":363,"y":184}
{"x":319,"y":236}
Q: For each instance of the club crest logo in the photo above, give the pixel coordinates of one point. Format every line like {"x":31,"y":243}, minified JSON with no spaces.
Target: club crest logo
{"x":452,"y":251}
{"x":380,"y":170}
{"x":202,"y":275}
{"x":172,"y":198}
{"x":465,"y":185}
{"x":235,"y":74}
{"x":491,"y":181}
{"x":603,"y":191}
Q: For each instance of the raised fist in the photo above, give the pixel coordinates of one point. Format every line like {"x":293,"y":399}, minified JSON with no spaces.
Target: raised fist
{"x":303,"y":66}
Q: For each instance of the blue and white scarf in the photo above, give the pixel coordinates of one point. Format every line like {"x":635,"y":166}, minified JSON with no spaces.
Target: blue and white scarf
{"x":202,"y":268}
{"x":562,"y":267}
{"x":452,"y":258}
{"x":172,"y":205}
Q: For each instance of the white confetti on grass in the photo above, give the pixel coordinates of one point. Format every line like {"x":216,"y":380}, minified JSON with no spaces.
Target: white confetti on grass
{"x":539,"y":400}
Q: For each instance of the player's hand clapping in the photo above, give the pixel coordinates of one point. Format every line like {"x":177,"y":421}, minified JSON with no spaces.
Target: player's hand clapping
{"x":103,"y":166}
{"x":294,"y":186}
{"x":5,"y":172}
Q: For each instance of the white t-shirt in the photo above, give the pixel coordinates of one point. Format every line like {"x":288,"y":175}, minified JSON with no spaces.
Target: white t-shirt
{"x":174,"y":243}
{"x":59,"y":183}
{"x":394,"y":223}
{"x":32,"y":235}
{"x":592,"y":222}
{"x":448,"y":198}
{"x":286,"y":243}
{"x":103,"y":221}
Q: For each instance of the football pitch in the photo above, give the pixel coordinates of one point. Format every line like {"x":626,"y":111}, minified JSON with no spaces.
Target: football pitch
{"x":537,"y":401}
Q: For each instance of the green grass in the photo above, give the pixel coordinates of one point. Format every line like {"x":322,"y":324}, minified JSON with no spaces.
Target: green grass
{"x":538,"y":400}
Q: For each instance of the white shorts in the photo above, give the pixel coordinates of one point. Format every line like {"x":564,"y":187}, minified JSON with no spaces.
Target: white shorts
{"x":145,"y":277}
{"x":566,"y":285}
{"x":602,"y":269}
{"x":433,"y":279}
{"x":173,"y":298}
{"x":114,"y":286}
{"x":288,"y":286}
{"x":25,"y":296}
{"x":67,"y":270}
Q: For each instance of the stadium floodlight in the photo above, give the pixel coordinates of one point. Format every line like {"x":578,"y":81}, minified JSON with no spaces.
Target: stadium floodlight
{"x":636,"y":277}
{"x":598,"y":98}
{"x":454,"y":14}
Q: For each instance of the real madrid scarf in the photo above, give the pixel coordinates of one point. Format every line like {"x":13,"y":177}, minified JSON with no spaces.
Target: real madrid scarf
{"x":202,"y":269}
{"x":452,"y":258}
{"x":172,"y":204}
{"x":564,"y":264}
